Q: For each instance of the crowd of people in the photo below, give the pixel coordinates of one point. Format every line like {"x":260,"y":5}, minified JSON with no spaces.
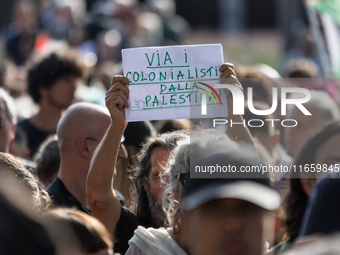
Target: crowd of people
{"x":77,"y":178}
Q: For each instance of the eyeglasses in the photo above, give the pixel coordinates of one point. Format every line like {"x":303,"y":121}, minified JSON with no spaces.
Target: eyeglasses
{"x":158,"y":181}
{"x":184,"y":178}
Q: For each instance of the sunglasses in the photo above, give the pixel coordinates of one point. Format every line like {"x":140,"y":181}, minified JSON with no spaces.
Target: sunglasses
{"x":184,"y":179}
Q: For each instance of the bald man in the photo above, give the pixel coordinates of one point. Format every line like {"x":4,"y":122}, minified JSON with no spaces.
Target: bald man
{"x":79,"y":132}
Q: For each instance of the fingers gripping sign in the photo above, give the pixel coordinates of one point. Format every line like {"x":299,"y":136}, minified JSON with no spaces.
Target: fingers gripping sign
{"x":228,"y":76}
{"x":116,"y":99}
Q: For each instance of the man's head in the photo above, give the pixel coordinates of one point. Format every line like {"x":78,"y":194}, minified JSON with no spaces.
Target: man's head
{"x":88,"y":233}
{"x":323,"y":110}
{"x":228,"y":216}
{"x":79,"y":132}
{"x":148,"y":180}
{"x":54,"y":80}
{"x":48,"y":161}
{"x":7,"y":121}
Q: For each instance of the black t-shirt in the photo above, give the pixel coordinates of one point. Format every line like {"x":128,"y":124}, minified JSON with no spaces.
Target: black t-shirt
{"x":323,"y":210}
{"x":35,"y":136}
{"x":126,"y":225}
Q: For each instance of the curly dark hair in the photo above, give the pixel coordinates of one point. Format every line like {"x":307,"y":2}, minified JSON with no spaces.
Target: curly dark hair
{"x":167,"y":141}
{"x":296,"y":199}
{"x":48,"y":71}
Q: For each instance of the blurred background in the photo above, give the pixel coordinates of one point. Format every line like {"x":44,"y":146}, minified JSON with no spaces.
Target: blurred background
{"x":270,"y":33}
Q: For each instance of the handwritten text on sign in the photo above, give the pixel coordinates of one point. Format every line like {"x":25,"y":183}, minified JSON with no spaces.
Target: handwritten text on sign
{"x":168,"y":82}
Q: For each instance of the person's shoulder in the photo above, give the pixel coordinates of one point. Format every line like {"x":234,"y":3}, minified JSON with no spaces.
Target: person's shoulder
{"x":127,"y":214}
{"x":24,"y":124}
{"x":54,"y":186}
{"x":329,"y":183}
{"x":56,"y":190}
{"x":152,"y":232}
{"x":30,"y":129}
{"x":133,"y":251}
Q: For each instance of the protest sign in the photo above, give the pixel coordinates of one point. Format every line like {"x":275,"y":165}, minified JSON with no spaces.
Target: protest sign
{"x":170,"y":82}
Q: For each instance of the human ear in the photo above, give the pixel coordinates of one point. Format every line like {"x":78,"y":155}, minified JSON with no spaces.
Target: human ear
{"x":83,"y":148}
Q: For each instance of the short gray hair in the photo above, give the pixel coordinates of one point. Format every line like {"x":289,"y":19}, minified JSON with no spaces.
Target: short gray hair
{"x":7,"y":100}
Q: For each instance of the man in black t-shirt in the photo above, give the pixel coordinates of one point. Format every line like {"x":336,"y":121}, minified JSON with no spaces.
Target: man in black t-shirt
{"x":79,"y":132}
{"x":51,"y":84}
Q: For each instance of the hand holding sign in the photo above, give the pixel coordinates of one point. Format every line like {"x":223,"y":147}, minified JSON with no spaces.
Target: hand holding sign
{"x":170,"y":82}
{"x":116,"y":99}
{"x":228,"y":76}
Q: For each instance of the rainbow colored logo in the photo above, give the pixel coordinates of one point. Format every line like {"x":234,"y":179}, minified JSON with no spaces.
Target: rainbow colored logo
{"x":211,"y":95}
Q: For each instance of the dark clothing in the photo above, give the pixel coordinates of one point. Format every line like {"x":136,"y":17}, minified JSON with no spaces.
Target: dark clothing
{"x":126,"y":225}
{"x":322,"y":213}
{"x":35,"y":136}
{"x":63,"y":198}
{"x":19,"y":46}
{"x":20,"y":234}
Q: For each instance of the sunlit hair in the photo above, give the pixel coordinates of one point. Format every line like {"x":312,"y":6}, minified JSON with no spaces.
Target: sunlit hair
{"x":199,"y":142}
{"x":9,"y":167}
{"x":91,"y":234}
{"x":8,"y":102}
{"x":167,"y":141}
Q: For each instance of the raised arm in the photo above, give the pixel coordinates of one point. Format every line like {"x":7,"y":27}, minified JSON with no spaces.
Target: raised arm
{"x":101,"y":198}
{"x":237,"y":132}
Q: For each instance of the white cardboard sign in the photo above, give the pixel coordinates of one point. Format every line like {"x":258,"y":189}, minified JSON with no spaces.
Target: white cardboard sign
{"x":168,"y":82}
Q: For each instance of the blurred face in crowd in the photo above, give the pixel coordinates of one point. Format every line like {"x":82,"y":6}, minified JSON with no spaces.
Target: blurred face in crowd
{"x":329,"y":152}
{"x":159,"y":157}
{"x":155,"y":186}
{"x":7,"y":130}
{"x":61,"y":93}
{"x":295,"y":137}
{"x":227,"y":226}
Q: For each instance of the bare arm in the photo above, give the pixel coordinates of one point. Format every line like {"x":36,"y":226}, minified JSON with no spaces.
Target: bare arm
{"x":103,"y":201}
{"x":237,"y":132}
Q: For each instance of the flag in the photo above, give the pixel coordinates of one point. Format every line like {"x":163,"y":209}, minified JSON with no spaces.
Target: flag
{"x":329,"y":13}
